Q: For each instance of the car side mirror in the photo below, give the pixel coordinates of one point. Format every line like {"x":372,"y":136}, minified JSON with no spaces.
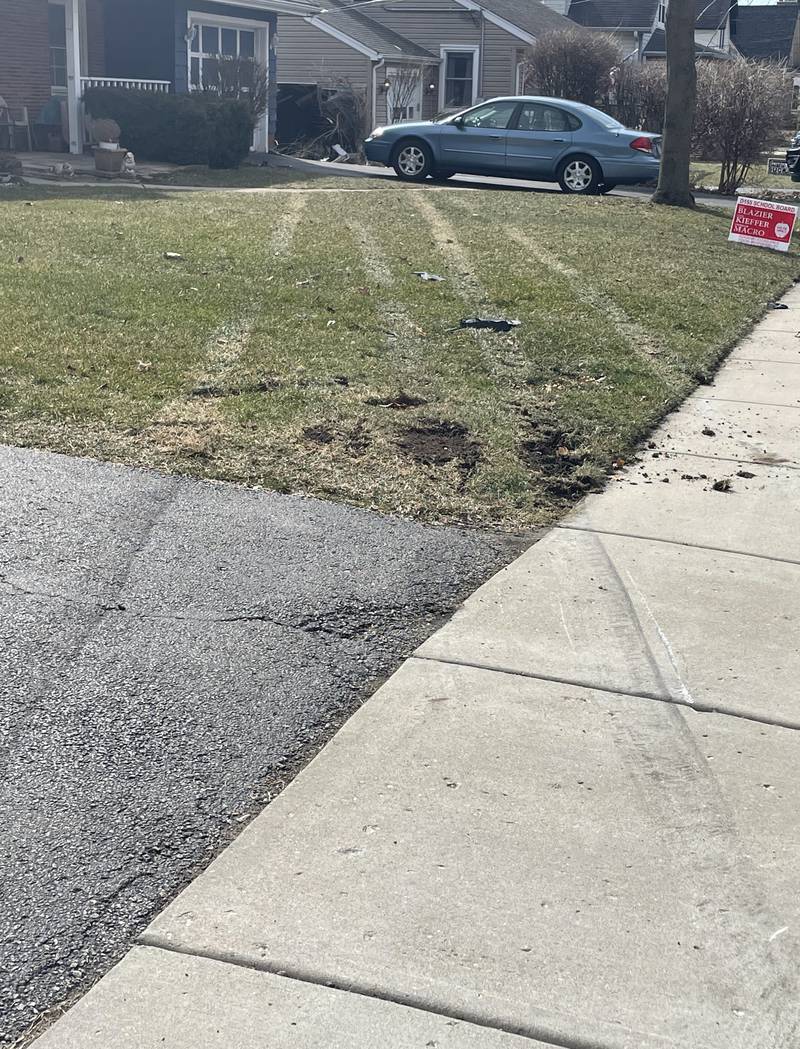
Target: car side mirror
{"x":459,"y":123}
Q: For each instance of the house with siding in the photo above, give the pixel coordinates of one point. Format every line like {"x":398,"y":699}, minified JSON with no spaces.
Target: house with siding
{"x":409,"y":59}
{"x":768,"y":32}
{"x":638,"y":25}
{"x":52,"y":50}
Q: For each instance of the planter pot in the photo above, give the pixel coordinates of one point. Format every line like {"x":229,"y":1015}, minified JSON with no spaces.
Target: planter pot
{"x":108,"y":162}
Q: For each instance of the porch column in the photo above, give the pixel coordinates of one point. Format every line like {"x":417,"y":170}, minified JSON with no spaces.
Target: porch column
{"x":74,"y":105}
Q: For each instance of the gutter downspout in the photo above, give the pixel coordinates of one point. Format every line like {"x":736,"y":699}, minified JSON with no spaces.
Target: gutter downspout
{"x":480,"y":56}
{"x":375,"y":67}
{"x":74,"y":92}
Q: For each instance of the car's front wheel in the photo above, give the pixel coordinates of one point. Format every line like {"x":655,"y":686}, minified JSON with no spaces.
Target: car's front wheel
{"x":580,"y":175}
{"x":413,"y":161}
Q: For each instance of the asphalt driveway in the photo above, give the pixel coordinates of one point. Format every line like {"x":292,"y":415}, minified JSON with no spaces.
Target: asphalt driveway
{"x":472,"y":181}
{"x":170,"y":653}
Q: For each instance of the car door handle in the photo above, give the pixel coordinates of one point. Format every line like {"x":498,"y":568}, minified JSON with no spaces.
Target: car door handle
{"x":495,"y":136}
{"x":559,"y":140}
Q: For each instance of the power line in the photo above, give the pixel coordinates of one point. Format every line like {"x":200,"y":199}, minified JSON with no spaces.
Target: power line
{"x":575,"y":3}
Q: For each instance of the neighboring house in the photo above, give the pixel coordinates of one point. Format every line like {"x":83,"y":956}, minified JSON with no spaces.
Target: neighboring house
{"x":768,"y":33}
{"x":54,"y":49}
{"x":411,"y":58}
{"x":638,"y":25}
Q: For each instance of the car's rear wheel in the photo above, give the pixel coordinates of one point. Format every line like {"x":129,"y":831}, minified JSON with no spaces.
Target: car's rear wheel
{"x":413,"y":161}
{"x":580,"y":175}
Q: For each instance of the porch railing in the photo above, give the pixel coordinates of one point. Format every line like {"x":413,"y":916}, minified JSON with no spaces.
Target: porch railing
{"x":125,"y":82}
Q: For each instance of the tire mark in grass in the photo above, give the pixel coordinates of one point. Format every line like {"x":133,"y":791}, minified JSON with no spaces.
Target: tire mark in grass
{"x":641,"y":341}
{"x":472,"y":293}
{"x":401,"y":330}
{"x":192,"y":424}
{"x":286,"y":225}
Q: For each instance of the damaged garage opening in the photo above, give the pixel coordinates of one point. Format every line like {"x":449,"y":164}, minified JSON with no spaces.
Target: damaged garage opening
{"x":315,"y":118}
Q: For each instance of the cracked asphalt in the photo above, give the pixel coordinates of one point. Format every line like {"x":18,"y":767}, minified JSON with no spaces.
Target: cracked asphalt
{"x":171,"y":652}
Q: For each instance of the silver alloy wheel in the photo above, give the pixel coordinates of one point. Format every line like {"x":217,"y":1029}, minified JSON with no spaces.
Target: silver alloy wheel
{"x":411,"y":160}
{"x":578,"y":176}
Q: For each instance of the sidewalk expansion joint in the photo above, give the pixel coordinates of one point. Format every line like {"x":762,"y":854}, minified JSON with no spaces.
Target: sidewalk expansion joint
{"x":655,"y":697}
{"x":676,"y":542}
{"x":539,"y":1032}
{"x":736,"y":400}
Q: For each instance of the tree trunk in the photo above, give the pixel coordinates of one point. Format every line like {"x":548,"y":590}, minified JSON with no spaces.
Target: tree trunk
{"x":673,"y":176}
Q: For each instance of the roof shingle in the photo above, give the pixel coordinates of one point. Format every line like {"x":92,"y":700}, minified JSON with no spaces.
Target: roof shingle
{"x":371,"y":34}
{"x":640,"y":14}
{"x":765,"y":31}
{"x":532,"y":16}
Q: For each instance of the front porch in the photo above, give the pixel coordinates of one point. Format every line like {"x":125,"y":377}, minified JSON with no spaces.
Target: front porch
{"x":172,"y":46}
{"x":40,"y":164}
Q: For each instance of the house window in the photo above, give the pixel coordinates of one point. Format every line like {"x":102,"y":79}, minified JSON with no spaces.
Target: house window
{"x":459,"y":78}
{"x":211,"y":42}
{"x":662,"y":12}
{"x":57,"y":23}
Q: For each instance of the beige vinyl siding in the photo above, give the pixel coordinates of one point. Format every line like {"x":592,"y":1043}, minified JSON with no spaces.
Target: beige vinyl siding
{"x":307,"y":55}
{"x":430,"y":23}
{"x":627,"y":41}
{"x":712,"y":37}
{"x":499,"y":61}
{"x":381,"y":115}
{"x":442,"y":23}
{"x":430,"y":102}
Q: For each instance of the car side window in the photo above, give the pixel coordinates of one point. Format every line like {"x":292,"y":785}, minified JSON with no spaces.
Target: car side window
{"x":537,"y":117}
{"x":492,"y":115}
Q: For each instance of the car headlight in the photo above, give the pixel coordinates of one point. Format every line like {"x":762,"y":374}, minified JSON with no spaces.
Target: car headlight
{"x":376,"y":133}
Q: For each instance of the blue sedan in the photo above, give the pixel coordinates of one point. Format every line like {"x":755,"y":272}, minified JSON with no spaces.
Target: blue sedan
{"x":546,"y":139}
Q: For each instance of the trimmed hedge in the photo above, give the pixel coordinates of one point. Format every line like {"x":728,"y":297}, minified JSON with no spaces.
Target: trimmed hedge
{"x":177,"y":129}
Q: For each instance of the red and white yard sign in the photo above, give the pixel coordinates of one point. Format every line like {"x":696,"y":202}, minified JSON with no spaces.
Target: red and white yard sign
{"x":764,"y":223}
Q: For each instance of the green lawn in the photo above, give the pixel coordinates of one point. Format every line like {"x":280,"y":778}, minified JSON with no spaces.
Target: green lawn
{"x":292,"y":345}
{"x":706,"y":173}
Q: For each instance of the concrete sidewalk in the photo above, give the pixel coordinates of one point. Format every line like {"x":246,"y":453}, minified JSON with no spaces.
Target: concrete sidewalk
{"x":570,"y":819}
